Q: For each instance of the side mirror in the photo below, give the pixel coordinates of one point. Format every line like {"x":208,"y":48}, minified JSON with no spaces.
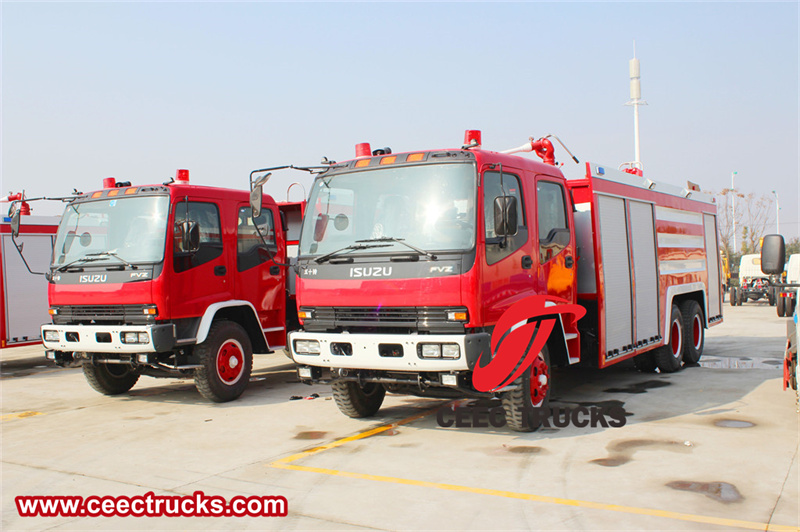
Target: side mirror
{"x":15,"y":223}
{"x":187,"y":237}
{"x":773,"y":255}
{"x":320,"y":226}
{"x":255,"y":200}
{"x":505,"y":216}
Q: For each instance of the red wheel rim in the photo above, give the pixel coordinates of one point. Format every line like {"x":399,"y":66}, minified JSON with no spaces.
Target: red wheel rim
{"x":230,"y":362}
{"x":697,"y":332}
{"x":540,"y":381}
{"x":675,"y":338}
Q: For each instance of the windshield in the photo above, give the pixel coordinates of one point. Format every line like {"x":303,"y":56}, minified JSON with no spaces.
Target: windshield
{"x":134,"y":229}
{"x":431,"y":207}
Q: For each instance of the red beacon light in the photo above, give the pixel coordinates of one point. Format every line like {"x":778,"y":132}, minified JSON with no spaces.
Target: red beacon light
{"x":472,"y":138}
{"x":110,"y":182}
{"x":363,"y":150}
{"x":182,"y":176}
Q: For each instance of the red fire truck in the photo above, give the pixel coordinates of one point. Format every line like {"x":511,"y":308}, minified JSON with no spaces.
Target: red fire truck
{"x":169,"y":280}
{"x":407,"y":261}
{"x":23,"y":293}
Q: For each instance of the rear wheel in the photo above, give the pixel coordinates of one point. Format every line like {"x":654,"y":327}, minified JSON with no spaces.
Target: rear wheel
{"x":739,"y":297}
{"x":694,"y":328}
{"x":534,"y":393}
{"x":357,"y":400}
{"x":771,"y":296}
{"x":227,"y":360}
{"x":781,"y":306}
{"x":669,"y":358}
{"x":732,"y":297}
{"x":110,"y":379}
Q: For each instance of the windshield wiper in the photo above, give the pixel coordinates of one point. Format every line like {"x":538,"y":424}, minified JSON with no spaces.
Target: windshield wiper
{"x":100,"y":255}
{"x":403,"y":242}
{"x":348,"y":249}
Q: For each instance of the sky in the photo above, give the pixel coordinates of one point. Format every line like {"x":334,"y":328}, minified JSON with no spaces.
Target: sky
{"x":138,"y":90}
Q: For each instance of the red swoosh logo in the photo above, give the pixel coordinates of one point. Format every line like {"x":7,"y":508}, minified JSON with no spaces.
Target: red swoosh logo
{"x":518,"y":338}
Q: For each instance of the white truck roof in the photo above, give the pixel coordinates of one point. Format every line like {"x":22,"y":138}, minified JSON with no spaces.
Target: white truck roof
{"x":750,"y":267}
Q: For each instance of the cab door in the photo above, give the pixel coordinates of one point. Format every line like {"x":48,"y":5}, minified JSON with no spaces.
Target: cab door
{"x":508,"y":261}
{"x":200,"y":277}
{"x":555,"y":239}
{"x":258,"y":279}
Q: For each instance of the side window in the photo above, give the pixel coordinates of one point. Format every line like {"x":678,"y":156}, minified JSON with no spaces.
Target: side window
{"x":250,"y":250}
{"x":496,"y":246}
{"x":206,"y":216}
{"x":553,"y":227}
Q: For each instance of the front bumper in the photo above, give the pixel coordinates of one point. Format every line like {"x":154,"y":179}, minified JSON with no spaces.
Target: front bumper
{"x":366,"y":351}
{"x":108,"y":338}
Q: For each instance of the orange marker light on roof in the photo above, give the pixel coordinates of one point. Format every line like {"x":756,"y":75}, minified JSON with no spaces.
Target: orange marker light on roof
{"x":130,"y":191}
{"x":97,"y":194}
{"x":113,"y":192}
{"x":389,"y":160}
{"x":415,"y":157}
{"x":362,"y":163}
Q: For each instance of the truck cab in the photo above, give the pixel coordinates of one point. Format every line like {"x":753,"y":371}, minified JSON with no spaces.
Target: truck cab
{"x":167,"y":280}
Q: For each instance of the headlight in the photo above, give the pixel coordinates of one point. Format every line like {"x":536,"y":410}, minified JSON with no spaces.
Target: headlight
{"x":51,"y":336}
{"x":135,"y":337}
{"x":306,"y":347}
{"x":451,"y":351}
{"x":431,"y":351}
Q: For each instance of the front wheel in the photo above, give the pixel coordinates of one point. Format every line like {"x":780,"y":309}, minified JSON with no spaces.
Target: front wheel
{"x":110,"y":379}
{"x":357,"y":400}
{"x":670,"y":357}
{"x":226,"y":358}
{"x":694,"y":328}
{"x":534,"y":393}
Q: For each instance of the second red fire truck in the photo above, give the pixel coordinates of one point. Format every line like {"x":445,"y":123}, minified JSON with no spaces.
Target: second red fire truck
{"x":407,"y":261}
{"x":169,"y":280}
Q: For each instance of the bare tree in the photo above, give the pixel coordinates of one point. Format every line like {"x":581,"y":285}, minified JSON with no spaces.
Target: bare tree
{"x":757,"y":213}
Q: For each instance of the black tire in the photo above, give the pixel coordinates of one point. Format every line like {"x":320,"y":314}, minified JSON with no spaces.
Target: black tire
{"x":788,"y":307}
{"x":110,"y":379}
{"x":732,"y":297}
{"x":646,"y":362}
{"x":355,"y":400}
{"x":694,"y":329}
{"x":518,"y":403}
{"x":781,"y":306}
{"x":227,"y":360}
{"x":669,"y":358}
{"x":739,"y":297}
{"x":771,"y":296}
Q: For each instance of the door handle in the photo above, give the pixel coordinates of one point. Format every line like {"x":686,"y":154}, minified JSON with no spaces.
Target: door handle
{"x":568,"y":262}
{"x":527,"y":262}
{"x":220,"y":270}
{"x":274,"y":270}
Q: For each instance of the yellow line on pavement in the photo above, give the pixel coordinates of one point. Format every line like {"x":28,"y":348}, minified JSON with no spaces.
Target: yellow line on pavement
{"x":286,"y":463}
{"x":20,"y":415}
